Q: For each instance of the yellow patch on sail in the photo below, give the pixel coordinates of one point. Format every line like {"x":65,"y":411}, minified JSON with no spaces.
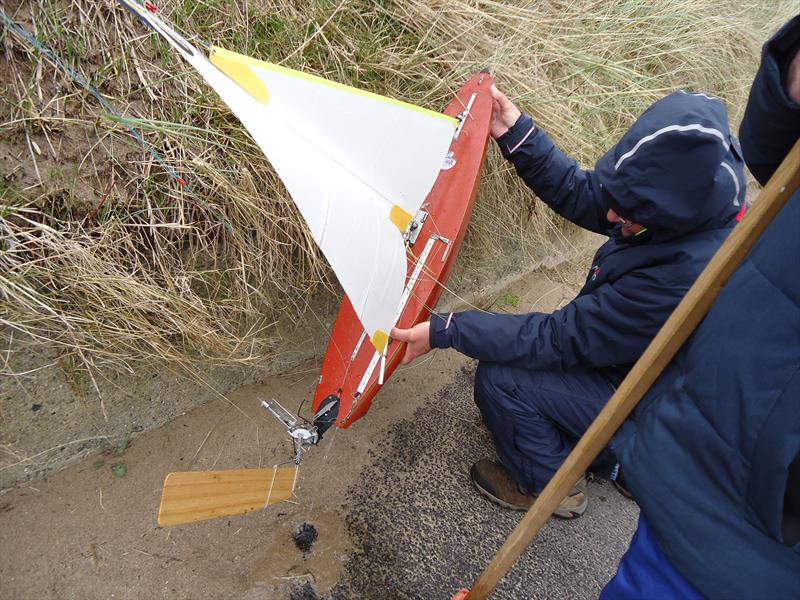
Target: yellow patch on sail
{"x":380,"y":339}
{"x":400,"y":217}
{"x":273,"y":68}
{"x":241,"y":73}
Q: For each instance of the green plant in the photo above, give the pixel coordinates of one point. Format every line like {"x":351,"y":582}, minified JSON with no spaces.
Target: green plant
{"x":507,"y":299}
{"x":121,"y":447}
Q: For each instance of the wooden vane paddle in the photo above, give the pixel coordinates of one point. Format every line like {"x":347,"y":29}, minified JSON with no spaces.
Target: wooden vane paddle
{"x":198,"y":495}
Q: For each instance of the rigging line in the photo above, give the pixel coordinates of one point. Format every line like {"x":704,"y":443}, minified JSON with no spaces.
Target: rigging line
{"x":335,"y":344}
{"x":80,"y":80}
{"x":427,"y":271}
{"x":350,"y":362}
{"x":271,"y":484}
{"x":416,"y":261}
{"x":450,"y":291}
{"x":445,"y":288}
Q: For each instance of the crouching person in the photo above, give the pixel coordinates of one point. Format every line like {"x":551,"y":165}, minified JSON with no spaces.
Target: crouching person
{"x":666,"y":195}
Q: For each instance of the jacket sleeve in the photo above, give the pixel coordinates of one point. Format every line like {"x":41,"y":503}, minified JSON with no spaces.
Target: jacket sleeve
{"x":771,"y":122}
{"x":554,"y":177}
{"x":612,"y":326}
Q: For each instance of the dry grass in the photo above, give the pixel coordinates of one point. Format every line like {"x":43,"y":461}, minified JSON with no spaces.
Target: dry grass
{"x":103,"y":255}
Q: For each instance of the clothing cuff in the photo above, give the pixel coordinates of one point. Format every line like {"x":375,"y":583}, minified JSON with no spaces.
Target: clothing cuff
{"x":438,"y":334}
{"x":517,"y":135}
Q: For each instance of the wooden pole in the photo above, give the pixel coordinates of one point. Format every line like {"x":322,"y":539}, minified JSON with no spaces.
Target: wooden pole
{"x":684,"y":319}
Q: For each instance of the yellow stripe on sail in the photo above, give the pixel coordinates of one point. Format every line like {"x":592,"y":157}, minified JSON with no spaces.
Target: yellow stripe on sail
{"x":242,"y":74}
{"x":400,"y":217}
{"x":248,"y":60}
{"x":380,"y":339}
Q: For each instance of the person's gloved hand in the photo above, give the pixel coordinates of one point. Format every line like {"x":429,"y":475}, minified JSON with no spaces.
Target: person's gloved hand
{"x":417,"y":338}
{"x":504,"y":113}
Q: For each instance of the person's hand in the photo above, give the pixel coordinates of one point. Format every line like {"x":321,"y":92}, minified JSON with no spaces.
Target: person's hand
{"x":793,"y":79}
{"x":504,"y":113}
{"x":416,"y":338}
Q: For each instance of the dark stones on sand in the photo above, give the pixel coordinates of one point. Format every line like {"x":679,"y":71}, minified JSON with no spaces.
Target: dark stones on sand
{"x":304,"y":537}
{"x":303,"y":592}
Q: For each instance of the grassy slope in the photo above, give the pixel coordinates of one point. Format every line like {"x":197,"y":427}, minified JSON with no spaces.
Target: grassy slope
{"x":153,"y":276}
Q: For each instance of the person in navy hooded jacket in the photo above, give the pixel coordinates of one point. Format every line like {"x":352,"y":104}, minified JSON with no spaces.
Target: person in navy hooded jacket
{"x":712,"y":452}
{"x":667,"y":195}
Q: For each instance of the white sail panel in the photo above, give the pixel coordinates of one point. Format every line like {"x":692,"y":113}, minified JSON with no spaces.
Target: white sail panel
{"x":348,"y":158}
{"x":394,"y":147}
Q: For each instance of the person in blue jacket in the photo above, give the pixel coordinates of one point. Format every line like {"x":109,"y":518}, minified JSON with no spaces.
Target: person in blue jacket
{"x":666,"y":195}
{"x":712,"y":452}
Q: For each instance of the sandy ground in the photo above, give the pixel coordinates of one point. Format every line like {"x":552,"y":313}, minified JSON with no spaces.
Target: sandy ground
{"x":390,"y":497}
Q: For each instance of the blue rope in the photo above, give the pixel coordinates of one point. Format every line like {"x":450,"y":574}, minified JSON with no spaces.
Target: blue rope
{"x":21,"y":33}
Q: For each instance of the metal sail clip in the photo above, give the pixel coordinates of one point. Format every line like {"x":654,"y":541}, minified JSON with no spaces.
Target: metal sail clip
{"x":415,"y":227}
{"x":462,"y":116}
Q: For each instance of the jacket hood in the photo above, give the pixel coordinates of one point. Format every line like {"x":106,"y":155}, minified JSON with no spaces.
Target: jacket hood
{"x":677,"y":170}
